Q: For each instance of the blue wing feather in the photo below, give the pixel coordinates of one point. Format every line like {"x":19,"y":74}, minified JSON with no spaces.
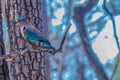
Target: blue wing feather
{"x":34,"y":35}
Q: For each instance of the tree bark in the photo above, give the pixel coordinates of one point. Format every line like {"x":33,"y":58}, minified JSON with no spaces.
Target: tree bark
{"x":31,"y":66}
{"x":79,"y":13}
{"x":3,"y":63}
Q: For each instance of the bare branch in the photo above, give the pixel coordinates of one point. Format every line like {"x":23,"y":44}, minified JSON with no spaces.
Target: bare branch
{"x":11,"y":57}
{"x":63,"y":39}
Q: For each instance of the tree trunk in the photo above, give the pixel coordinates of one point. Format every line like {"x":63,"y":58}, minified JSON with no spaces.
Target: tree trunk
{"x":3,"y":63}
{"x":31,"y":66}
{"x":79,"y":13}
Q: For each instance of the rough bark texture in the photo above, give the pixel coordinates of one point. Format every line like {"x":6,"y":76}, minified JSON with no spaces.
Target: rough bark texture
{"x":79,"y":13}
{"x":3,"y":64}
{"x":32,"y":65}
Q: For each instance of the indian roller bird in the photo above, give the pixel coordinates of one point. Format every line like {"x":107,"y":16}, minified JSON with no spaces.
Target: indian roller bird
{"x":31,"y":33}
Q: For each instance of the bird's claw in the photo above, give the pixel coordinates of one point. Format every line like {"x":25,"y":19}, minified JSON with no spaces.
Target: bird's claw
{"x":55,"y":51}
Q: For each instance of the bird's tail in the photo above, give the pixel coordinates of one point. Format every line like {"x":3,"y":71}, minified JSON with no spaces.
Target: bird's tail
{"x":51,"y":47}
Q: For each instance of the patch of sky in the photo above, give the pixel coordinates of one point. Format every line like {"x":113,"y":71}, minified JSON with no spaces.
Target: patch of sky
{"x":72,"y":28}
{"x":58,"y":14}
{"x":89,"y":74}
{"x":100,"y":3}
{"x":117,"y":19}
{"x":96,"y":16}
{"x":105,"y":47}
{"x":66,"y":76}
{"x":54,"y":75}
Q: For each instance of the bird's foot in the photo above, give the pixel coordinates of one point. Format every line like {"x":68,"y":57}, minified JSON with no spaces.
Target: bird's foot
{"x":53,"y":52}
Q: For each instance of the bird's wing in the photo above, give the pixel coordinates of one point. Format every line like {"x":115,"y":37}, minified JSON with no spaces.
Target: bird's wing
{"x":34,"y":34}
{"x":32,"y":29}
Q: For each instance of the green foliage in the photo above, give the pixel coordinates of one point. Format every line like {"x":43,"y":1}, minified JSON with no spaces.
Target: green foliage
{"x":118,"y":62}
{"x":117,"y":74}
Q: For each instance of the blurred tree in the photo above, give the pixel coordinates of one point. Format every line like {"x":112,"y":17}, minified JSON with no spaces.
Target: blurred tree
{"x":31,"y":66}
{"x":94,"y":20}
{"x":65,"y":66}
{"x":111,"y":12}
{"x":79,"y":13}
{"x":3,"y":64}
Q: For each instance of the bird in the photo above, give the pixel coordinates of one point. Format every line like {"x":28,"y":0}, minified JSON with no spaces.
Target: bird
{"x":32,"y":34}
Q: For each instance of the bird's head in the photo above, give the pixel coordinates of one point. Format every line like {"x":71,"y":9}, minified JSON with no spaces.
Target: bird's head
{"x":21,"y":21}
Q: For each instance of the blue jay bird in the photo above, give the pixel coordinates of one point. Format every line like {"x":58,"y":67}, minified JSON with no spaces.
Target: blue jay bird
{"x":31,"y":33}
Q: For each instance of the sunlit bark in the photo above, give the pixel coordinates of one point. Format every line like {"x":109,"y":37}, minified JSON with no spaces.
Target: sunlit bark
{"x":3,"y":63}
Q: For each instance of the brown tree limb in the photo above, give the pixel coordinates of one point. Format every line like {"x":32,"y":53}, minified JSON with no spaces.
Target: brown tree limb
{"x":12,"y":56}
{"x":79,"y":14}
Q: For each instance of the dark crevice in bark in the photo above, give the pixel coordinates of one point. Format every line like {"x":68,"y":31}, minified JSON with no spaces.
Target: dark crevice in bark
{"x":5,"y":70}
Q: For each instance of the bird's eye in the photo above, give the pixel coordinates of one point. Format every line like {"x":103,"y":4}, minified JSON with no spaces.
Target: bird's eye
{"x":23,"y":28}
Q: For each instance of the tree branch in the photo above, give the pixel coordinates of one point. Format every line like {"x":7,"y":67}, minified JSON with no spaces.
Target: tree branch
{"x":79,"y":15}
{"x":63,"y":39}
{"x":11,"y":57}
{"x":113,"y":23}
{"x":115,"y":36}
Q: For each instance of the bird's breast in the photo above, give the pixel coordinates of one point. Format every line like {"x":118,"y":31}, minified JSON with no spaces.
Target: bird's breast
{"x":22,"y":31}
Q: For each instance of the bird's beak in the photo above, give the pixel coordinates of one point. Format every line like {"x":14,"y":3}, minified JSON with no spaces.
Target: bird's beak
{"x":14,"y":21}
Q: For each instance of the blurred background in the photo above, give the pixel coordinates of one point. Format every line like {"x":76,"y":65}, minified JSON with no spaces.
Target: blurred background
{"x":73,"y":63}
